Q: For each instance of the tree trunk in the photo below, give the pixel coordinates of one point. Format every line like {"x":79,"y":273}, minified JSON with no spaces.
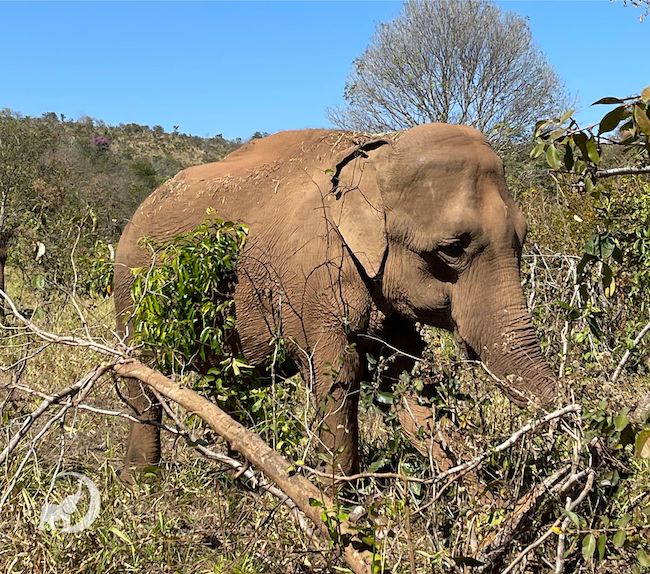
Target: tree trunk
{"x":4,"y":241}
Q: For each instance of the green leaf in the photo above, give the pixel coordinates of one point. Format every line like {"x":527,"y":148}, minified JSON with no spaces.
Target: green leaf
{"x":611,"y":119}
{"x":589,"y":187}
{"x":601,"y":544}
{"x":621,"y":421}
{"x":580,"y":140}
{"x":588,"y":546}
{"x":619,"y":539}
{"x":537,"y":150}
{"x":552,"y":157}
{"x":539,"y":126}
{"x":120,"y":535}
{"x":642,"y":445}
{"x":609,"y":285}
{"x":643,"y":558}
{"x":38,"y":282}
{"x":592,"y":150}
{"x":624,"y":520}
{"x":608,"y":100}
{"x":385,"y":398}
{"x":641,"y":118}
{"x":375,"y":466}
{"x":573,"y":517}
{"x":568,"y":158}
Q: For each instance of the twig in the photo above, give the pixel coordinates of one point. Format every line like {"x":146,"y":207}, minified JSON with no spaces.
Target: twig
{"x":81,"y":388}
{"x":46,"y":403}
{"x":398,"y":351}
{"x":62,"y":339}
{"x":626,"y":355}
{"x":614,"y":171}
{"x":587,"y":488}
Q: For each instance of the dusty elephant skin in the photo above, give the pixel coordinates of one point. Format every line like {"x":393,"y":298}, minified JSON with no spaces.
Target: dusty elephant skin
{"x":354,"y":235}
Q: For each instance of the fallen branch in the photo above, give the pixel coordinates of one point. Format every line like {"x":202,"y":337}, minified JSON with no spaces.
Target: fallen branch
{"x":61,"y":339}
{"x":253,"y":448}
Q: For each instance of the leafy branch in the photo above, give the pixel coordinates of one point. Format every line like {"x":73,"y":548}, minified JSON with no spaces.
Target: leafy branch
{"x":618,"y":145}
{"x":581,"y":151}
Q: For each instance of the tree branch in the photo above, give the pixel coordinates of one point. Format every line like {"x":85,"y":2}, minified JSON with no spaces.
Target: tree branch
{"x":614,"y":171}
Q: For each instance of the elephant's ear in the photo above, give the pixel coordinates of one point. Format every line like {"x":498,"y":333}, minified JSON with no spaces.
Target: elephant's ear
{"x":355,"y":206}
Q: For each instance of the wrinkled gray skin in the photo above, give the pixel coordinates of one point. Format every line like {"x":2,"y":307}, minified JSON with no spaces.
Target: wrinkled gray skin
{"x":352,"y":236}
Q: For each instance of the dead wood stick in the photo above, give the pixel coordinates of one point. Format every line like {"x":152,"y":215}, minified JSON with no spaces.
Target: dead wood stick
{"x":626,"y":355}
{"x":253,"y":448}
{"x":48,"y":402}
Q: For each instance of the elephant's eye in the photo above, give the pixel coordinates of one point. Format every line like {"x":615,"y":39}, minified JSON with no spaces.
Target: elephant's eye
{"x":452,"y":250}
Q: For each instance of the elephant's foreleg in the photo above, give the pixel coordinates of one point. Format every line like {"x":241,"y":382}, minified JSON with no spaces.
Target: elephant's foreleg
{"x":144,"y":437}
{"x":337,"y":405}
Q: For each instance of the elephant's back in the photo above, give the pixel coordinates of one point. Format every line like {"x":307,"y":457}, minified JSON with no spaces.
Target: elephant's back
{"x":265,"y":180}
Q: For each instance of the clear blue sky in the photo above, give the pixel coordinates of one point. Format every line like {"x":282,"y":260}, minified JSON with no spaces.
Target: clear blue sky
{"x":238,"y":67}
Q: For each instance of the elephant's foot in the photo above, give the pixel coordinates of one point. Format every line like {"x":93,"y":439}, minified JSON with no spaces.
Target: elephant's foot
{"x":143,"y":452}
{"x":129,"y":473}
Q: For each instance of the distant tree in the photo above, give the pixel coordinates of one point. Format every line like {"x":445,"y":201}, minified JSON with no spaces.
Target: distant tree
{"x":453,"y":61}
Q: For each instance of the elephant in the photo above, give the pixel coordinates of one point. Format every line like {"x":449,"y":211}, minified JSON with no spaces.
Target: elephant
{"x":353,"y":239}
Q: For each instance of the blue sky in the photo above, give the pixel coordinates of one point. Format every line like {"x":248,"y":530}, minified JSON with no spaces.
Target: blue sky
{"x":239,"y":67}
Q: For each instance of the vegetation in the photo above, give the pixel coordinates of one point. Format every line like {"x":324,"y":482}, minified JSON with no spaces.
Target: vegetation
{"x":66,"y":183}
{"x":430,"y":65}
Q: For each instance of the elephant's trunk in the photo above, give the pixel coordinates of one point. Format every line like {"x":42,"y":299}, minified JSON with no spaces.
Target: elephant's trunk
{"x":492,"y":319}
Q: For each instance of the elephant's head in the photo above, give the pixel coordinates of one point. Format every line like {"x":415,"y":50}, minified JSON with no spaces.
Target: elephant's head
{"x":429,"y":221}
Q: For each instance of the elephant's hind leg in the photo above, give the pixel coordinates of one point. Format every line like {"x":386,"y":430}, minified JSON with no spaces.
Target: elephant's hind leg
{"x":143,"y":448}
{"x":144,"y":438}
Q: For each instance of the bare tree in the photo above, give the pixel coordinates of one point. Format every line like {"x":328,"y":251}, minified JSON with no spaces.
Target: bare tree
{"x":453,"y":61}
